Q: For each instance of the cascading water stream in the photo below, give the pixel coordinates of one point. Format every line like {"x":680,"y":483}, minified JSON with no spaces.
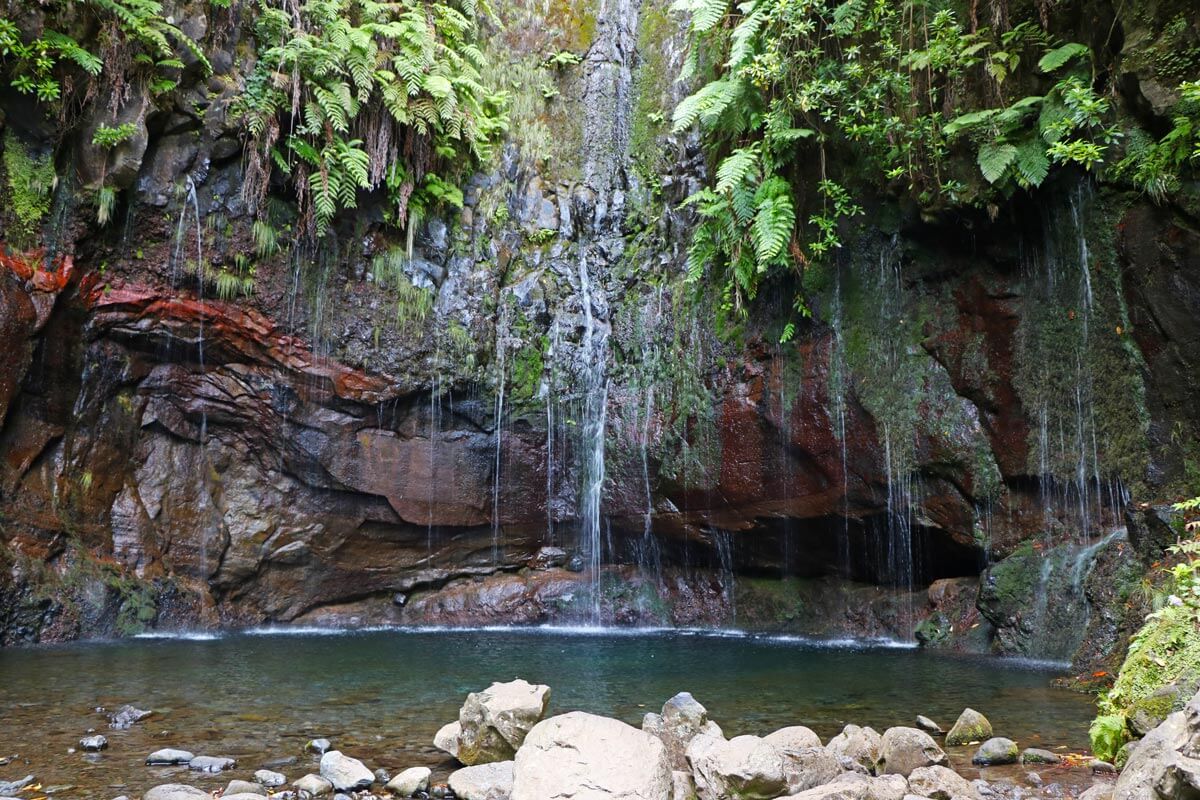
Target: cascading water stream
{"x":594,"y":424}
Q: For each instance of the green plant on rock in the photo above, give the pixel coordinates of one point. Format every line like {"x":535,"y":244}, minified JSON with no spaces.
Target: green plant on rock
{"x":1157,"y":166}
{"x":353,"y":95}
{"x":108,"y":137}
{"x":30,"y":182}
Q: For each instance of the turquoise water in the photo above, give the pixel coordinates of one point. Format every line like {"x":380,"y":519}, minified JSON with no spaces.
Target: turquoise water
{"x":381,"y":695}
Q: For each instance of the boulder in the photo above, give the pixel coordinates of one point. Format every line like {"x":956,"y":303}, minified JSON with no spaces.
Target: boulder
{"x":1098,"y":791}
{"x":1034,"y":755}
{"x":313,"y":785}
{"x":683,"y":787}
{"x":996,"y":751}
{"x":176,"y":791}
{"x":410,"y":781}
{"x":855,"y":786}
{"x":446,"y":739}
{"x":794,"y":737}
{"x":886,"y":787}
{"x":941,"y":783}
{"x":580,"y":756}
{"x":168,"y":757}
{"x":244,"y":796}
{"x":745,"y":767}
{"x":269,"y":779}
{"x":211,"y":763}
{"x":928,"y":725}
{"x":1160,"y":758}
{"x":491,"y":781}
{"x":93,"y":744}
{"x":681,"y":720}
{"x":901,"y":750}
{"x":806,"y":767}
{"x":346,"y":774}
{"x":971,"y":727}
{"x":860,"y":745}
{"x":242,"y":787}
{"x":495,"y":721}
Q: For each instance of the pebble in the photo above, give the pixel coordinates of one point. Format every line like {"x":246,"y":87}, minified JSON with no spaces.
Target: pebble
{"x":211,"y":764}
{"x":269,"y":779}
{"x":1102,"y":767}
{"x":168,"y":757}
{"x":243,"y":787}
{"x":93,"y":744}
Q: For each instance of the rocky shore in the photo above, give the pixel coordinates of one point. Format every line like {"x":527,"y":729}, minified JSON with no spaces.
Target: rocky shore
{"x":505,"y":746}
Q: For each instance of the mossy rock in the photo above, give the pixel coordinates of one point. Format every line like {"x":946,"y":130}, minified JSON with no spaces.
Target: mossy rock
{"x":971,"y":727}
{"x":934,"y":630}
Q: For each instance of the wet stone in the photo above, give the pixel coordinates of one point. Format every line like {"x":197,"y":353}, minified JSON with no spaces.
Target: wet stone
{"x":93,"y":744}
{"x":168,"y":757}
{"x":211,"y":764}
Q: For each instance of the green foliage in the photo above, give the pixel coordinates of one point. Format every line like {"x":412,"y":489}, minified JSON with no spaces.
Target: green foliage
{"x":30,"y":183}
{"x":106,"y":204}
{"x":42,"y":66}
{"x":353,"y":95}
{"x":1108,"y":734}
{"x":561,"y":60}
{"x":109,"y":137}
{"x":413,"y":303}
{"x":234,"y":281}
{"x":1156,"y":167}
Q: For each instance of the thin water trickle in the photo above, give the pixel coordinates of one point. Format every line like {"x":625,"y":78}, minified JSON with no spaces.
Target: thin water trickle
{"x":595,"y":412}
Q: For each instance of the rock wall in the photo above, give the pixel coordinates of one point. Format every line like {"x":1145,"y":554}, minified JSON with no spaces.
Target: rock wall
{"x":347,"y":445}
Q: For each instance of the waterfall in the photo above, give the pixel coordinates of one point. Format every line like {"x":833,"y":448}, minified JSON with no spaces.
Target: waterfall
{"x":595,"y":412}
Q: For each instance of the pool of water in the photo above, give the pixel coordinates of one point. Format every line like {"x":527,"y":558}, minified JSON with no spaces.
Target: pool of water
{"x":381,"y":695}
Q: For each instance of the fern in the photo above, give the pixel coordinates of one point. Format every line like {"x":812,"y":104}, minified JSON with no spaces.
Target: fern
{"x":1060,"y":56}
{"x":995,"y":159}
{"x":734,"y":170}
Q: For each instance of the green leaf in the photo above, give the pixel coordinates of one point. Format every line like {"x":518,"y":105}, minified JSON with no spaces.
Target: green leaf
{"x":736,"y":167}
{"x":1032,"y":162}
{"x":962,"y":123}
{"x":1059,"y":56}
{"x":995,"y":158}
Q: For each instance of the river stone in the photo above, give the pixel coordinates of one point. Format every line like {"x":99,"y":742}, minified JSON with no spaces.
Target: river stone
{"x":446,"y":739}
{"x":855,"y":786}
{"x":1035,"y":755}
{"x":269,"y":779}
{"x":211,"y":763}
{"x":495,"y":721}
{"x":886,"y":787}
{"x":168,"y":757}
{"x":176,"y":791}
{"x":860,"y":745}
{"x":491,"y":781}
{"x":125,"y":717}
{"x":996,"y":751}
{"x":313,"y":785}
{"x":794,"y":737}
{"x":345,"y":773}
{"x":683,"y":787}
{"x":260,"y":795}
{"x":93,"y":744}
{"x":901,"y":750}
{"x":928,"y":725}
{"x":971,"y":727}
{"x":410,"y":781}
{"x":1099,"y":791}
{"x":745,"y":767}
{"x":242,"y":787}
{"x":579,"y":756}
{"x":941,"y":783}
{"x":806,"y":767}
{"x":318,"y":746}
{"x":682,"y":718}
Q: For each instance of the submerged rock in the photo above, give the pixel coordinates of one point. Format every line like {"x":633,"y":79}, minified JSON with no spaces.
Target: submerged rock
{"x":346,"y":774}
{"x":995,"y":751}
{"x":1034,"y":755}
{"x":126,"y":716}
{"x":901,"y":750}
{"x":491,"y":781}
{"x":681,"y":720}
{"x":495,"y":721}
{"x":580,"y":756}
{"x":168,"y":757}
{"x":410,"y":781}
{"x":971,"y":727}
{"x":93,"y":744}
{"x":12,"y":787}
{"x":211,"y":763}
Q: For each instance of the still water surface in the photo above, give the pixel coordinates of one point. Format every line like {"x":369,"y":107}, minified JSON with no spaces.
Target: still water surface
{"x":381,"y":695}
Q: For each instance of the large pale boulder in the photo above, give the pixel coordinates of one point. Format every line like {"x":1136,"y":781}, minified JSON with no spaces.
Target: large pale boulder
{"x":175,"y":791}
{"x":901,"y":750}
{"x":794,"y":737}
{"x":941,"y":783}
{"x":410,"y":781}
{"x":971,"y":727}
{"x":580,"y":756}
{"x":1166,"y":763}
{"x":491,"y":781}
{"x":856,"y":786}
{"x":494,"y":722}
{"x":806,"y":767}
{"x":681,"y":720}
{"x":446,"y":739}
{"x":860,"y":745}
{"x":744,"y":767}
{"x":345,"y":773}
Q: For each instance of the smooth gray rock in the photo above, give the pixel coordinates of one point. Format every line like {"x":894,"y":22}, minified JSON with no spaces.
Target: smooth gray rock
{"x":93,"y":744}
{"x":211,"y":763}
{"x":901,"y":750}
{"x":269,"y":779}
{"x":176,"y":791}
{"x":345,"y":773}
{"x":491,"y":781}
{"x":446,"y":739}
{"x":806,"y":767}
{"x":11,"y":788}
{"x":313,"y":785}
{"x":168,"y":757}
{"x":928,"y":725}
{"x":996,"y":751}
{"x":941,"y":783}
{"x":242,"y":787}
{"x":410,"y":781}
{"x":244,"y":796}
{"x":745,"y":767}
